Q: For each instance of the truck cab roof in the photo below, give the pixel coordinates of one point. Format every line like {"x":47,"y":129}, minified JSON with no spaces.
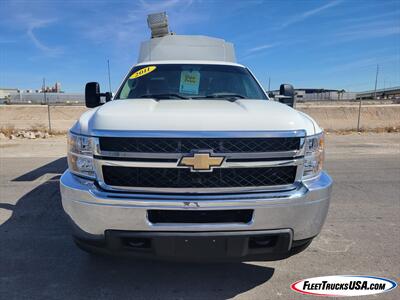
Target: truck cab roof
{"x":200,"y":62}
{"x":186,"y":48}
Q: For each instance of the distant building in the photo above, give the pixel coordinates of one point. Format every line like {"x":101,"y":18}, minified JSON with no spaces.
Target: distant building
{"x":310,"y":94}
{"x":318,"y":94}
{"x":57,"y":87}
{"x":6,"y":92}
{"x":54,"y":89}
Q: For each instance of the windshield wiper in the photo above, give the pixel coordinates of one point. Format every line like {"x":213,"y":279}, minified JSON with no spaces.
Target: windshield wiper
{"x":163,"y":96}
{"x":227,"y":96}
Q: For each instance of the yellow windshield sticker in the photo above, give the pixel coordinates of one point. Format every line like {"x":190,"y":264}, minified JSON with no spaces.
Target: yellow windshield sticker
{"x":143,"y":71}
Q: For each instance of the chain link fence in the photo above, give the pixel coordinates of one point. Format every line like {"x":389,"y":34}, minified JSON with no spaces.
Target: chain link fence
{"x":46,"y":98}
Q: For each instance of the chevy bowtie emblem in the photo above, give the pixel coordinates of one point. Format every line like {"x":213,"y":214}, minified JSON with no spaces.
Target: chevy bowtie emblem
{"x":201,"y":161}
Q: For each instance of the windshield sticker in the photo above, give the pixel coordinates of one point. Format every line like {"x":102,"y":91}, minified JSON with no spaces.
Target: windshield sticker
{"x":143,"y":71}
{"x":190,"y":82}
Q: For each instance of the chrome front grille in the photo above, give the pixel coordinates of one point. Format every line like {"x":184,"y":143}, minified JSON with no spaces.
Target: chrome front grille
{"x":187,"y":145}
{"x":184,"y":178}
{"x":149,"y":162}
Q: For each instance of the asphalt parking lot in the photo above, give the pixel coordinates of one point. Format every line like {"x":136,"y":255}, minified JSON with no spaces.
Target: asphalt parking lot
{"x":39,"y":260}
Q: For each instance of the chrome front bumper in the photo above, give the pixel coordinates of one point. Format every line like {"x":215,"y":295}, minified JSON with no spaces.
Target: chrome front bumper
{"x":93,"y":210}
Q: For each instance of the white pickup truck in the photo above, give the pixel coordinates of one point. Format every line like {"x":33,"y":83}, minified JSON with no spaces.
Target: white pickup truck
{"x":190,"y":159}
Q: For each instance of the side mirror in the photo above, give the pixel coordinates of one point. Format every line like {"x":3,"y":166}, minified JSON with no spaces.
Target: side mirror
{"x":93,"y":95}
{"x":286,"y":95}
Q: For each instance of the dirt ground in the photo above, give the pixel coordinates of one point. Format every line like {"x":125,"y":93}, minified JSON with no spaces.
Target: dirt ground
{"x":330,"y":117}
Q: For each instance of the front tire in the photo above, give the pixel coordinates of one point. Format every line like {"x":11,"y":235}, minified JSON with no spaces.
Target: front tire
{"x":88,"y":247}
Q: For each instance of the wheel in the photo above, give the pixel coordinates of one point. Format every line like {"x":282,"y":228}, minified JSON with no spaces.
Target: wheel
{"x":299,"y":246}
{"x":89,"y":247}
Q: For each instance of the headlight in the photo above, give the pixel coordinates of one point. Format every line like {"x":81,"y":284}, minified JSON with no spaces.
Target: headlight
{"x":80,"y":155}
{"x":314,"y":155}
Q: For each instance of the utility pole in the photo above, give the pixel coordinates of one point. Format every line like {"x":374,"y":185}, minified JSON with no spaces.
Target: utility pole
{"x":359,"y":116}
{"x":376,"y":80}
{"x":109,"y":76}
{"x":47,"y":102}
{"x":269,"y":85}
{"x":359,"y":106}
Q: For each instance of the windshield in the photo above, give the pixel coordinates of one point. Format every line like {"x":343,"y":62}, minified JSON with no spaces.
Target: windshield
{"x":190,"y":81}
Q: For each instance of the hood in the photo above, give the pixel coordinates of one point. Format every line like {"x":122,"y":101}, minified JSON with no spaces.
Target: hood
{"x":193,"y":115}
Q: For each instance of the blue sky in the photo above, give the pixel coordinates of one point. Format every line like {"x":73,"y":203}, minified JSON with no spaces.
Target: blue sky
{"x":325,"y":44}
